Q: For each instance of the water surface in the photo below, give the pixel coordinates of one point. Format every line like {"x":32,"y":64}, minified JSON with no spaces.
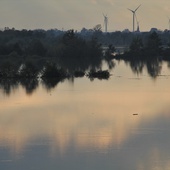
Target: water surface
{"x":121,"y":123}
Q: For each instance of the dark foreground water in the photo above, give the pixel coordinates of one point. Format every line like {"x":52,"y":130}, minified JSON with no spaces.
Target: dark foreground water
{"x":122,"y":123}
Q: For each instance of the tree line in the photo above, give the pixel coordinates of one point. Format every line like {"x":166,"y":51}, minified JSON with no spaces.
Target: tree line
{"x":28,"y":54}
{"x":24,"y":50}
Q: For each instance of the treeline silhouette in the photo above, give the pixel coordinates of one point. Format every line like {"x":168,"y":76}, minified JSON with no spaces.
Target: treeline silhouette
{"x":28,"y":57}
{"x":38,"y":47}
{"x":66,"y":49}
{"x":147,"y":55}
{"x":152,"y":48}
{"x":52,"y":56}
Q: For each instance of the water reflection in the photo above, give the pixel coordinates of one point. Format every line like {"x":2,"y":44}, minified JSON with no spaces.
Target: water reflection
{"x":153,"y":67}
{"x":30,"y":85}
{"x":138,"y":67}
{"x":8,"y":85}
{"x":51,"y":83}
{"x":86,"y":131}
{"x":87,"y":125}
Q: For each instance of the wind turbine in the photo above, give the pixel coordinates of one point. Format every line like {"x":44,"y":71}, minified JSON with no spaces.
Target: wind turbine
{"x":169,"y":22}
{"x":134,"y":14}
{"x":105,"y":22}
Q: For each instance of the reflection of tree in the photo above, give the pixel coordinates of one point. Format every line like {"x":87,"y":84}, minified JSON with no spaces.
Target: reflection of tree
{"x":108,"y":55}
{"x":137,"y":66}
{"x":153,"y":66}
{"x":50,"y":83}
{"x":7,"y":85}
{"x":29,"y":84}
{"x":168,"y":64}
{"x":110,"y":64}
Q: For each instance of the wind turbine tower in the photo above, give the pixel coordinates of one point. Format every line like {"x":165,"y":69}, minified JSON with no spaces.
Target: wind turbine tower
{"x":169,"y":23}
{"x":138,"y":28}
{"x":105,"y":22}
{"x":134,"y":15}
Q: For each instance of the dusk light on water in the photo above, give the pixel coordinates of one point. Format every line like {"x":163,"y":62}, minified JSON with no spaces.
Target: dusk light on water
{"x":88,"y":125}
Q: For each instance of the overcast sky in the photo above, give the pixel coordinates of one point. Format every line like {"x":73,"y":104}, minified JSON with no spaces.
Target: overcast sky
{"x":76,"y":14}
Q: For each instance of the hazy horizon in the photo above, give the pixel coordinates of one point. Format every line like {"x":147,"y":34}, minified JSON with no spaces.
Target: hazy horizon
{"x":76,"y":14}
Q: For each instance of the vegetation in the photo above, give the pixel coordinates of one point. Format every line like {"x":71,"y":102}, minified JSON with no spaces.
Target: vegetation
{"x":28,"y":70}
{"x":98,"y":74}
{"x":52,"y":71}
{"x":79,"y":74}
{"x":53,"y":55}
{"x":25,"y":53}
{"x":151,"y":49}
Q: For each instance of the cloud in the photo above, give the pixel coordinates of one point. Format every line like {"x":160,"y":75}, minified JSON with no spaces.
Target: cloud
{"x":94,"y":1}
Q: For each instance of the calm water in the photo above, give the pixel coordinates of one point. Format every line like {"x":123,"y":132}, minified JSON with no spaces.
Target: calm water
{"x":122,"y":123}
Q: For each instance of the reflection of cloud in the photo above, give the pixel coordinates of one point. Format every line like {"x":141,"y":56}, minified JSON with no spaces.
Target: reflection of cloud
{"x":154,"y":159}
{"x":97,"y":116}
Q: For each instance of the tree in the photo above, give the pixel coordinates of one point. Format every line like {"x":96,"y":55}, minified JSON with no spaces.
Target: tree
{"x":136,"y":44}
{"x":36,"y":47}
{"x":97,"y":31}
{"x":28,"y":70}
{"x":68,"y":37}
{"x":97,"y":28}
{"x":154,"y":43}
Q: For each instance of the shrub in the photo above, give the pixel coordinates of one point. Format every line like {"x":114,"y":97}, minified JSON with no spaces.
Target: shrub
{"x":52,"y":71}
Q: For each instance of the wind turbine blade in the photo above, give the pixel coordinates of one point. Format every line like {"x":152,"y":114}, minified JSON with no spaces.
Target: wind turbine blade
{"x":130,"y":10}
{"x":137,"y":8}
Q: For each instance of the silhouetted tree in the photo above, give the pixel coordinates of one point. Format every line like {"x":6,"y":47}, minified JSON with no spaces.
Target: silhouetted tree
{"x":97,"y":28}
{"x":52,"y":71}
{"x":109,"y":51}
{"x":8,"y":70}
{"x":28,"y":70}
{"x":36,"y":48}
{"x":136,"y":45}
{"x":17,"y":49}
{"x":69,"y":37}
{"x":153,"y":44}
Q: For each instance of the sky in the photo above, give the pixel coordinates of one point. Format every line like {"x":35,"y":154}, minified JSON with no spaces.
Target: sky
{"x":78,"y":14}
